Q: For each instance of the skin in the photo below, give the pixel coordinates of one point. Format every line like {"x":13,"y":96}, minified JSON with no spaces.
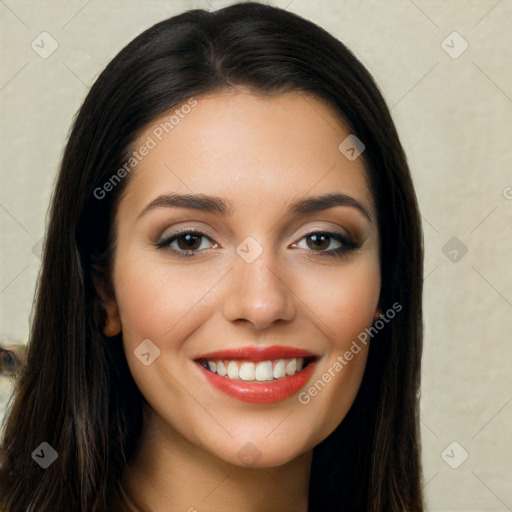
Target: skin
{"x":261,"y":153}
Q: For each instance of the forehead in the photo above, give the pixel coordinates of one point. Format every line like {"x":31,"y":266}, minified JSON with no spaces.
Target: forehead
{"x":256,"y":151}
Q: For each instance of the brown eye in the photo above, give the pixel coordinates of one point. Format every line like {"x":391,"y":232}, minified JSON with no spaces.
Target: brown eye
{"x":186,"y":243}
{"x":189,"y":241}
{"x":319,"y":242}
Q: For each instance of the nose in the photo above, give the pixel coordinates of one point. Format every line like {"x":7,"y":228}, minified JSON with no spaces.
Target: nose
{"x":258,"y":294}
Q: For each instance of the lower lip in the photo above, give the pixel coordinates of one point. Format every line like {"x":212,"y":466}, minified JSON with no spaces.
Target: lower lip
{"x":260,"y":392}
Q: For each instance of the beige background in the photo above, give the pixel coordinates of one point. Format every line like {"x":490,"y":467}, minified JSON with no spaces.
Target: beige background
{"x":454,"y":116}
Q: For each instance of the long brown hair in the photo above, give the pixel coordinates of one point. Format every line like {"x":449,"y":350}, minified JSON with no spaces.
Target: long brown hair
{"x":75,"y":391}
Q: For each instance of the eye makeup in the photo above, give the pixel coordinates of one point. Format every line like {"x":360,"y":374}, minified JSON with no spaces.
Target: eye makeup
{"x":319,"y":237}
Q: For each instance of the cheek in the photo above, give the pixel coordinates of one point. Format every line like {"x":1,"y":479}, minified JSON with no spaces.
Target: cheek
{"x":155,"y":300}
{"x":344,"y":300}
{"x":344,"y":306}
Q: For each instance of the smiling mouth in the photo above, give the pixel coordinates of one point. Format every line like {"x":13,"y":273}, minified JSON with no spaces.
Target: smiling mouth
{"x":262,"y":371}
{"x":258,"y":374}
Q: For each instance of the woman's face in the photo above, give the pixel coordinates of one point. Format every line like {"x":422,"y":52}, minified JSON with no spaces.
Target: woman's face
{"x":218,"y":324}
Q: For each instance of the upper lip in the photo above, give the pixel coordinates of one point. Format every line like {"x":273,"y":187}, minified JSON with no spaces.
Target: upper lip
{"x":257,"y":353}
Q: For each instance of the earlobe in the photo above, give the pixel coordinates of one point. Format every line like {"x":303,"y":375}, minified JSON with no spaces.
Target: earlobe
{"x":112,"y":325}
{"x":112,"y":322}
{"x":378,"y":313}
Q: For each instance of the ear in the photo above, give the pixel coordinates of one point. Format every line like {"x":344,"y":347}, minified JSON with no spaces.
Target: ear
{"x":111,"y":320}
{"x":378,"y":312}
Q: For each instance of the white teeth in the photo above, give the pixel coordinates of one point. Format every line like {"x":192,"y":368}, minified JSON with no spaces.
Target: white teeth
{"x":291,"y":367}
{"x":279,"y":369}
{"x":262,"y":371}
{"x":247,"y":371}
{"x":221,"y":369}
{"x":233,"y":370}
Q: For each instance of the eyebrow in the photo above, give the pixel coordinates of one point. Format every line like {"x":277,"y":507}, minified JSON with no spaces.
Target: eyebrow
{"x":215,"y":204}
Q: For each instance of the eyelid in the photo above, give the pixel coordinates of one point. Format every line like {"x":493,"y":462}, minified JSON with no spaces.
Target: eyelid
{"x":187,"y":229}
{"x":165,"y":241}
{"x":329,"y":231}
{"x":348,"y":243}
{"x":204,"y":232}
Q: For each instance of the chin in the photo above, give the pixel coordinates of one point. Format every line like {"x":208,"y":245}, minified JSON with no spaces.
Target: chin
{"x":261,"y":451}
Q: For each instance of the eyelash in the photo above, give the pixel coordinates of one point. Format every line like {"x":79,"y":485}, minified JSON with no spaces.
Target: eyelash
{"x":348,"y":244}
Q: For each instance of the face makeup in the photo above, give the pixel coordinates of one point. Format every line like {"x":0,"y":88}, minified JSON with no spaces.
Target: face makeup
{"x":257,"y":374}
{"x":247,"y":253}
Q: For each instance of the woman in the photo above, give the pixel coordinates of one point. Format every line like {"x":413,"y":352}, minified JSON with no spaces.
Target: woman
{"x":228,"y":315}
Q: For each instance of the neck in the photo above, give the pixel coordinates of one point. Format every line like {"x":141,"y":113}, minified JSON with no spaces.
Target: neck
{"x":169,"y":473}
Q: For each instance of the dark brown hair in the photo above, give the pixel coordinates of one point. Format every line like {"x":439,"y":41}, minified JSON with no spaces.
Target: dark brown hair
{"x":75,"y":390}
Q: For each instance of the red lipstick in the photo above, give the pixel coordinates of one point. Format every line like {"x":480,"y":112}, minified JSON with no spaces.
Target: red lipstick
{"x":274,"y":388}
